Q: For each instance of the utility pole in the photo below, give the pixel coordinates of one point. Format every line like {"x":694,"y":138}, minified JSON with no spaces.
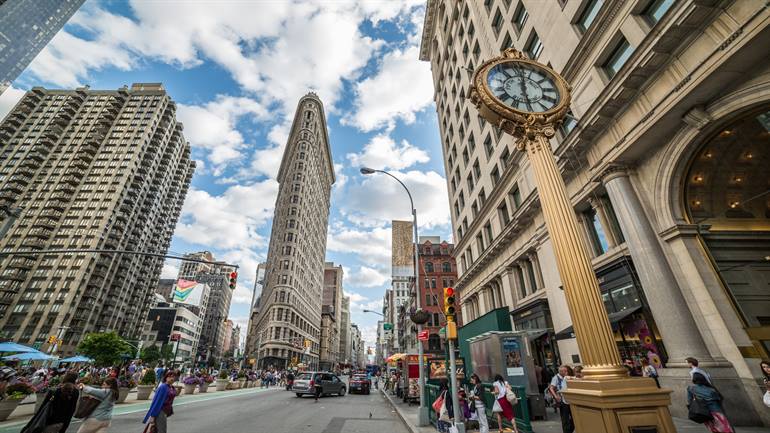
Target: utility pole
{"x":453,"y":377}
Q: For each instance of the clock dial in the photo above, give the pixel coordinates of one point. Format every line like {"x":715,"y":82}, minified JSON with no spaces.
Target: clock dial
{"x":523,"y":87}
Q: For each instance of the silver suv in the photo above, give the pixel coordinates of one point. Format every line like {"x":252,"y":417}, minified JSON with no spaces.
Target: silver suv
{"x":305,"y":383}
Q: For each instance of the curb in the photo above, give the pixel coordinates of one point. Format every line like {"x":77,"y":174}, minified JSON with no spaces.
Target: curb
{"x":407,"y":424}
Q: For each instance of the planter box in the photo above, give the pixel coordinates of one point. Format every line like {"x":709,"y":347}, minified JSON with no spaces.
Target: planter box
{"x":143,"y":392}
{"x":123,"y":394}
{"x":190,"y":389}
{"x":203,"y":387}
{"x":7,"y":406}
{"x":241,"y":383}
{"x":222,"y":384}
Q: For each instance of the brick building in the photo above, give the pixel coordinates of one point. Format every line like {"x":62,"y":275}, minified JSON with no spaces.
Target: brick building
{"x":437,"y":270}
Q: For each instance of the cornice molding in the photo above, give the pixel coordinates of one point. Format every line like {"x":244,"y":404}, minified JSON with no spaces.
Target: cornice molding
{"x":428,"y":29}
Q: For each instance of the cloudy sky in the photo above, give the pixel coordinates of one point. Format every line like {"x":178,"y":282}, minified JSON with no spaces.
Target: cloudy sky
{"x":236,"y":70}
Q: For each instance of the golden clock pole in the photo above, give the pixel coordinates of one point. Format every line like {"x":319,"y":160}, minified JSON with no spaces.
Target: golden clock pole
{"x":606,"y":400}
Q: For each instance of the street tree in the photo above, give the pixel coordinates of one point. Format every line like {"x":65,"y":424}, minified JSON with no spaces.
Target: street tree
{"x":106,"y":348}
{"x":152,"y":354}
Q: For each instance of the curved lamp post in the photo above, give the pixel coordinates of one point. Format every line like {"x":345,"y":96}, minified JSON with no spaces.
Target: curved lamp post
{"x":423,"y":414}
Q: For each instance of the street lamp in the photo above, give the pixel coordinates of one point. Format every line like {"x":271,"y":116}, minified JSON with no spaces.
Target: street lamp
{"x":375,"y":312}
{"x":423,"y":419}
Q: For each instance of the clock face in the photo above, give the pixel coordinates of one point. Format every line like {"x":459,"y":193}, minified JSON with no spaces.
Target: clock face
{"x":523,"y":87}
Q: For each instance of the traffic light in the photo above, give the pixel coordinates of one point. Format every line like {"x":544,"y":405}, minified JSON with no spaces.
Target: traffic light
{"x":233,"y":278}
{"x":449,"y":304}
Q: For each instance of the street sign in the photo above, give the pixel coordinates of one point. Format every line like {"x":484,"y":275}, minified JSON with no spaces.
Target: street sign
{"x":423,"y":335}
{"x":175,"y":337}
{"x":387,"y":326}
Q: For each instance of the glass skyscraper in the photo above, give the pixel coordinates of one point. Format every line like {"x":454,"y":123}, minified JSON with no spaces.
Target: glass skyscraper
{"x":26,"y":26}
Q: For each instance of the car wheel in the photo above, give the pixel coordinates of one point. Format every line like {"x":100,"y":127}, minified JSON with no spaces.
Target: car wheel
{"x":299,"y":394}
{"x":342,"y":391}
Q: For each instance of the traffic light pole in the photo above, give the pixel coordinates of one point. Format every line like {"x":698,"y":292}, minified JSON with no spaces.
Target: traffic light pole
{"x":454,"y":389}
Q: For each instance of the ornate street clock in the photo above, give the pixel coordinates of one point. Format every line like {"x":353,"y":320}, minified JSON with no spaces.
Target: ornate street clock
{"x":516,"y":94}
{"x":529,"y":100}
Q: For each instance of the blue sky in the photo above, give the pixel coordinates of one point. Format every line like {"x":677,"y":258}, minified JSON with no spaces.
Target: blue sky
{"x":236,"y":70}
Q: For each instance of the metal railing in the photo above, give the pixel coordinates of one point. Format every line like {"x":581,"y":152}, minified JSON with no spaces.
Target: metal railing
{"x":521,"y":410}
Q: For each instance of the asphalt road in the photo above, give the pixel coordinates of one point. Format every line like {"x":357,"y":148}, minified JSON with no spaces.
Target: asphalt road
{"x":264,"y":410}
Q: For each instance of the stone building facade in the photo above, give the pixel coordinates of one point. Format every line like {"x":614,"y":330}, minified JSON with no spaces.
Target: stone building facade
{"x":331,"y":316}
{"x":437,"y":271}
{"x":87,"y":169}
{"x":345,"y":337}
{"x":402,"y":280}
{"x":291,"y":300}
{"x":664,"y":155}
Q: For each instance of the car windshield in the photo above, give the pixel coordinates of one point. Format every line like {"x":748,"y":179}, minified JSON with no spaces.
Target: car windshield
{"x":305,"y":376}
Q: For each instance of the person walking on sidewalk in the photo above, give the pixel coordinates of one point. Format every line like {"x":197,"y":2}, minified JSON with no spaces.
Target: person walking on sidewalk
{"x":317,"y":385}
{"x":693,"y":363}
{"x":99,"y":420}
{"x":502,"y":407}
{"x":559,"y":384}
{"x":477,"y":396}
{"x":162,"y":403}
{"x":705,"y":392}
{"x":62,"y":402}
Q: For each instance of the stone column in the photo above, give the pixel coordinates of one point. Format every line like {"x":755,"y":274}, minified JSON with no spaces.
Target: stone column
{"x":516,"y":284}
{"x":669,"y":309}
{"x":527,"y":282}
{"x":509,"y":298}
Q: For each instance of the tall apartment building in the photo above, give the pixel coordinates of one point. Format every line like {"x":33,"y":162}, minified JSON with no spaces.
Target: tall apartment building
{"x":190,"y":270}
{"x":664,"y":155}
{"x":331,"y":312}
{"x":389,"y":314}
{"x":402,"y":279}
{"x":228,"y":336}
{"x":87,"y":169}
{"x":26,"y":27}
{"x":345,"y":331}
{"x":256,"y":297}
{"x":290,"y":310}
{"x":355,"y":345}
{"x":437,"y":271}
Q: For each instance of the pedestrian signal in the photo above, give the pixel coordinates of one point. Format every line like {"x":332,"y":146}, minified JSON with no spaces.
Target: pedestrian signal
{"x":449,"y":303}
{"x":233,"y":278}
{"x":52,"y":339}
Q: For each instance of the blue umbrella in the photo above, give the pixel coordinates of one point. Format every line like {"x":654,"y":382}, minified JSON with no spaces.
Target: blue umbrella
{"x":12,"y":347}
{"x":29,"y":356}
{"x":77,"y":358}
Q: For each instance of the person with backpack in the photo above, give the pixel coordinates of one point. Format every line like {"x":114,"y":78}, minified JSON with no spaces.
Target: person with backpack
{"x":502,"y":407}
{"x":559,"y":384}
{"x":99,"y":420}
{"x":702,"y":395}
{"x":162,"y":405}
{"x":55,"y":414}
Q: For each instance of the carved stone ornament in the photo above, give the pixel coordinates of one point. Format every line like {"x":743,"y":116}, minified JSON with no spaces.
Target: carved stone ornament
{"x":520,"y":124}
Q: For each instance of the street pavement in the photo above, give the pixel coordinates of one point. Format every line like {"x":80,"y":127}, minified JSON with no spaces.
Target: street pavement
{"x":258,"y":410}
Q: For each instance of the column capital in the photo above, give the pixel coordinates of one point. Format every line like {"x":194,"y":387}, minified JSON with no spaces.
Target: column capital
{"x":612,"y":171}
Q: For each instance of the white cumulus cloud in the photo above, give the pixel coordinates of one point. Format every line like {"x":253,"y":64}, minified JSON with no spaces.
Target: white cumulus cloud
{"x":367,"y":277}
{"x":382,"y":152}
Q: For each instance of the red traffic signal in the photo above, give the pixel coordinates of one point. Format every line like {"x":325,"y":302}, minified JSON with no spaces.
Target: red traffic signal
{"x":233,"y":278}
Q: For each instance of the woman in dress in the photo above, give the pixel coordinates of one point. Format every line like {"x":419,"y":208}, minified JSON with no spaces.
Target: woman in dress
{"x":162,"y":405}
{"x":703,"y":391}
{"x":502,"y":407}
{"x":99,"y":420}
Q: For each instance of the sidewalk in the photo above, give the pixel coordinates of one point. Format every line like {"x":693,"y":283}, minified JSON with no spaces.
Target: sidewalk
{"x":409,"y":414}
{"x":24,"y":411}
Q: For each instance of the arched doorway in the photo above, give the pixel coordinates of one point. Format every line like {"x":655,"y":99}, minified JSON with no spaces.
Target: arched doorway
{"x":727,"y":196}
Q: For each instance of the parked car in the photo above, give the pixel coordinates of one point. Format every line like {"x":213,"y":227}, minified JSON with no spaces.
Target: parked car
{"x":360,"y":384}
{"x":305,"y":383}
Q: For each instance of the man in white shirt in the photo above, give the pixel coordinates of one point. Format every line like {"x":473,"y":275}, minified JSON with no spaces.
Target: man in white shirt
{"x":693,"y":363}
{"x":559,"y":384}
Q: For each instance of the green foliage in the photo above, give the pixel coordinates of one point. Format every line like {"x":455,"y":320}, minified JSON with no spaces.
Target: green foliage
{"x":106,"y":348}
{"x":148,"y":378}
{"x":19,"y":390}
{"x":223,"y":374}
{"x":152,"y":354}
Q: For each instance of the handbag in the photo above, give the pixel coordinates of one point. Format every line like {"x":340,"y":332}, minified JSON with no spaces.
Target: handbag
{"x":496,"y":407}
{"x":511,"y":396}
{"x":39,"y":420}
{"x":439,"y":403}
{"x":697,"y":411}
{"x":86,"y":406}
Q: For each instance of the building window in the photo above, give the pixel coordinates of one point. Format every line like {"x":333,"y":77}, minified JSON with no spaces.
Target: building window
{"x":497,"y":22}
{"x":495,"y":176}
{"x":476,"y":169}
{"x":429,"y":267}
{"x":655,"y":10}
{"x":589,"y":14}
{"x":568,"y":124}
{"x":488,"y":147}
{"x":520,"y":17}
{"x":446,"y":267}
{"x":596,"y":232}
{"x":507,"y":42}
{"x":515,"y":196}
{"x":488,"y":233}
{"x":534,"y":46}
{"x":502,"y":211}
{"x":618,"y":58}
{"x":480,"y":243}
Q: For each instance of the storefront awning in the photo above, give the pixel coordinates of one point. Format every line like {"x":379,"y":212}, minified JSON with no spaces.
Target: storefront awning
{"x":537,"y":333}
{"x":569,"y":332}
